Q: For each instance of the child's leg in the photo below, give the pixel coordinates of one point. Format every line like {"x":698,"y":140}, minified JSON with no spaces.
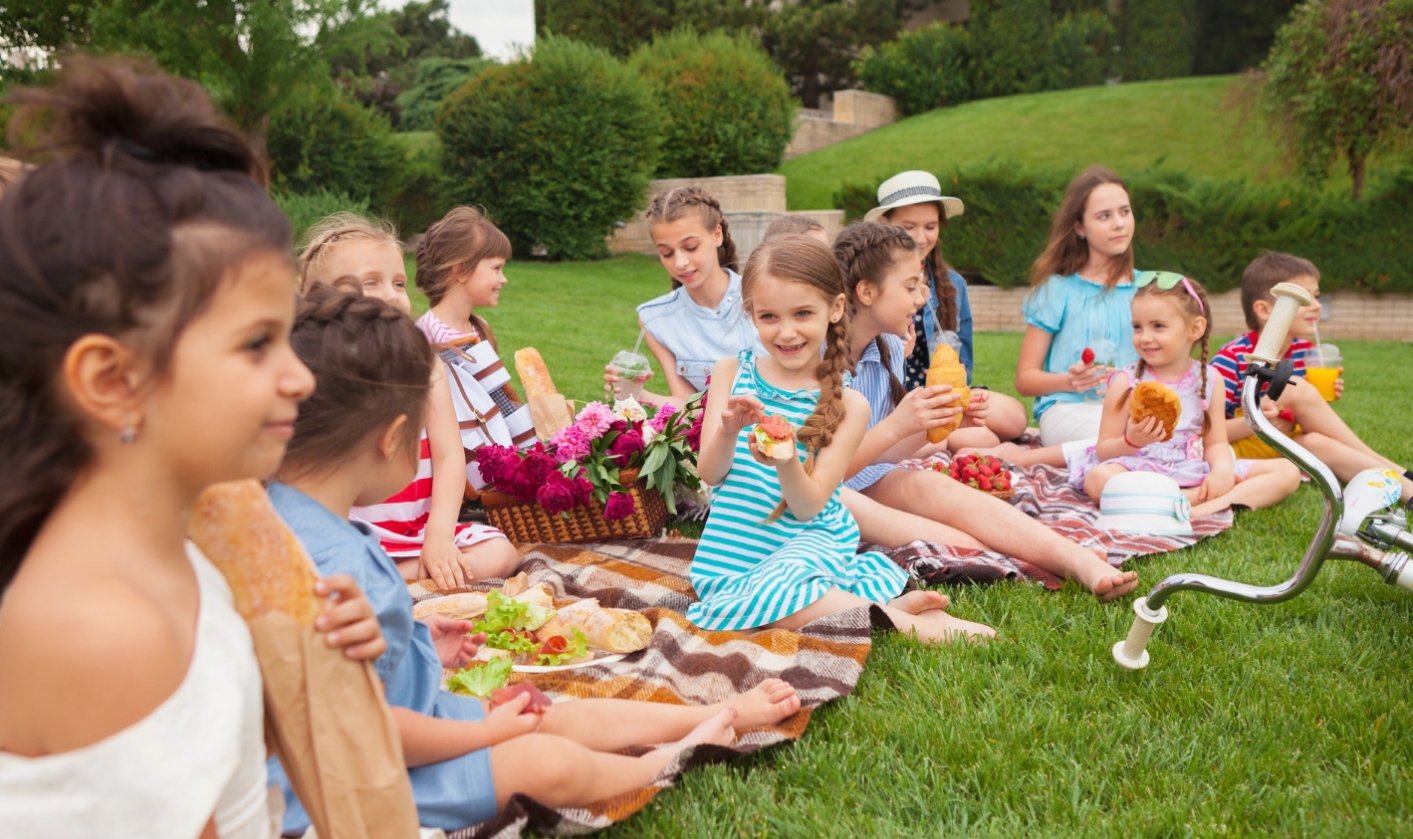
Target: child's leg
{"x":1021,"y":456}
{"x":930,"y":624}
{"x":490,"y":559}
{"x":1269,"y":482}
{"x":1347,"y":462}
{"x":973,"y":438}
{"x":562,"y":773}
{"x":1099,"y":476}
{"x":1314,"y":414}
{"x":1002,"y":528}
{"x":892,"y":528}
{"x":1007,"y":418}
{"x":608,"y":725}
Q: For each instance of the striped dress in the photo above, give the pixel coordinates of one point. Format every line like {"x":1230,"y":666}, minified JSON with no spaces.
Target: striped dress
{"x":749,"y":573}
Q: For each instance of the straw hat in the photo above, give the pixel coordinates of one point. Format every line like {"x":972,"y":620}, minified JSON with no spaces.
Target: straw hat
{"x":912,"y":187}
{"x":1145,"y":503}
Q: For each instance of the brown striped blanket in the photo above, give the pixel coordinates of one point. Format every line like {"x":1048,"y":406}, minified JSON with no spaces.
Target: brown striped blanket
{"x":682,"y":664}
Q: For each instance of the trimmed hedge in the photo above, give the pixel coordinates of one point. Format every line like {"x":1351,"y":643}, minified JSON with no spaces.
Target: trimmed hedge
{"x":304,"y":209}
{"x":323,"y":140}
{"x":557,"y":147}
{"x":726,"y":109}
{"x":1010,"y":46}
{"x":926,"y":68}
{"x":1208,"y":228}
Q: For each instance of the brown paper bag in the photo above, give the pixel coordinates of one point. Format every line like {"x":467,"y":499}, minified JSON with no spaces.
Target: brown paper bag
{"x":550,"y":412}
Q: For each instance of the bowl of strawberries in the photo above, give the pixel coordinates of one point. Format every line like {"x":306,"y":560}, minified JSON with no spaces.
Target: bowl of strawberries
{"x":979,"y":471}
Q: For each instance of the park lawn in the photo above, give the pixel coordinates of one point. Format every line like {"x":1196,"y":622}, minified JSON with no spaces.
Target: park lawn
{"x":1179,"y":124}
{"x":1251,"y":721}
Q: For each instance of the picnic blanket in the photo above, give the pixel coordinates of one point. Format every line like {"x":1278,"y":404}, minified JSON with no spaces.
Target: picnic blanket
{"x":682,"y":664}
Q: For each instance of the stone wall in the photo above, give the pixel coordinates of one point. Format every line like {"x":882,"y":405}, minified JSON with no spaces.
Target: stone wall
{"x":1347,"y":314}
{"x":854,"y":112}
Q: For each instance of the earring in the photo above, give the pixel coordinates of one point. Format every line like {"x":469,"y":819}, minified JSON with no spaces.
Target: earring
{"x":128,"y":435}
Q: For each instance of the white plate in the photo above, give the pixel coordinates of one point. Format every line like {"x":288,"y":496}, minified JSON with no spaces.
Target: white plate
{"x":532,"y":668}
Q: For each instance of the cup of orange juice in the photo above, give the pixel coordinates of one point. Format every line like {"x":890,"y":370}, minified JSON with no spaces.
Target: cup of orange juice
{"x":1327,"y":368}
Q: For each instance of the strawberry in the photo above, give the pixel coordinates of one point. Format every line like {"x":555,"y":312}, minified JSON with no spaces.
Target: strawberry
{"x":1087,"y":356}
{"x":972,"y":482}
{"x":971,"y":472}
{"x":1287,"y":414}
{"x":985,"y":484}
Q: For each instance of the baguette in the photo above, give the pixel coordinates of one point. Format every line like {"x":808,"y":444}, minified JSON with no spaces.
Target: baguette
{"x":947,"y":369}
{"x":610,"y":630}
{"x":464,"y":606}
{"x":534,"y":375}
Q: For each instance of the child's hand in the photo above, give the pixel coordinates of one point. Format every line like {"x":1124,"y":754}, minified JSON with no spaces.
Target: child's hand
{"x":760,"y":457}
{"x":742,"y":410}
{"x":910,"y":340}
{"x":506,"y":722}
{"x":441,"y":561}
{"x":1273,"y":414}
{"x":350,"y":622}
{"x":1143,"y":434}
{"x":1339,"y":388}
{"x":1085,"y":377}
{"x":1217,"y":483}
{"x":978,"y":409}
{"x":615,"y":386}
{"x":455,"y":648}
{"x":924,"y":408}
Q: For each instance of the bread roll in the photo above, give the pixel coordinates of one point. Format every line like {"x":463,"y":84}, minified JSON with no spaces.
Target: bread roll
{"x":613,"y":630}
{"x":461,"y":607}
{"x":267,"y":568}
{"x":533,"y":373}
{"x":1155,"y":399}
{"x":947,"y":369}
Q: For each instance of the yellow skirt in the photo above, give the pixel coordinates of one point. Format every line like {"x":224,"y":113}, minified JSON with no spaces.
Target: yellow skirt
{"x":1254,"y":448}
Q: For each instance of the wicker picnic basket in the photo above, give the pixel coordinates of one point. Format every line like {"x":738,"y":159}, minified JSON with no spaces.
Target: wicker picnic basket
{"x":527,"y":521}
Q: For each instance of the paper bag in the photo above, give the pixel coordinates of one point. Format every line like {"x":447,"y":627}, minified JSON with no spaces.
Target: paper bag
{"x":550,"y":412}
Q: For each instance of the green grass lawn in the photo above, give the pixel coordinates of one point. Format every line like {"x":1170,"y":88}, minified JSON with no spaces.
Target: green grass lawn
{"x":1289,"y":720}
{"x":1183,"y":124}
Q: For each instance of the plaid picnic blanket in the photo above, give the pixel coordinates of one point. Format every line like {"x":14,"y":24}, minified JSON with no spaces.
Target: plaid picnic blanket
{"x":682,"y":664}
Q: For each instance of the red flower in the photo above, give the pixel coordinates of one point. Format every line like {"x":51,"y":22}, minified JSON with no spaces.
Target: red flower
{"x":624,"y":446}
{"x":558,"y":495}
{"x":694,"y":434}
{"x":620,"y":506}
{"x":539,"y":463}
{"x":583,"y":490}
{"x":498,"y":465}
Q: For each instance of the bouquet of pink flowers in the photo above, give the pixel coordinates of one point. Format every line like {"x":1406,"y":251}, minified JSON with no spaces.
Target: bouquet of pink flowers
{"x":584,"y":461}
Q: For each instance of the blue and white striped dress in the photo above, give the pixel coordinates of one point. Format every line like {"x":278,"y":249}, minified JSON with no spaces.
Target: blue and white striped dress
{"x":750,"y":573}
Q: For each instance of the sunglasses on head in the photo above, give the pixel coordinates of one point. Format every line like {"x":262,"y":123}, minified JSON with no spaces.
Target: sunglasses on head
{"x":1168,"y":280}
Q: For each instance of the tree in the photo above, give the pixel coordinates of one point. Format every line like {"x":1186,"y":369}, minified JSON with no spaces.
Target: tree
{"x":429,"y":34}
{"x":621,"y":26}
{"x":434,"y":79}
{"x":1339,"y":81}
{"x":817,"y":42}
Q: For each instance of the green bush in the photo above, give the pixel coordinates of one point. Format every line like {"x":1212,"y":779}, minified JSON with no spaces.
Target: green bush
{"x":924,"y":69}
{"x":1010,"y":46}
{"x":1204,"y":227}
{"x":726,"y":109}
{"x":1158,"y":38}
{"x":557,"y":147}
{"x":322,"y":140}
{"x":305,"y":208}
{"x":434,"y":79}
{"x":1082,"y":50}
{"x":422,"y":195}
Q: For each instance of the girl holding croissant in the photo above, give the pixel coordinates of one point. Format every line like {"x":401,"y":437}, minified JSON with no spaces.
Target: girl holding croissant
{"x":465,"y":762}
{"x":881,"y":269}
{"x":779,"y":548}
{"x":417,"y":525}
{"x":145,"y":309}
{"x":1177,"y":424}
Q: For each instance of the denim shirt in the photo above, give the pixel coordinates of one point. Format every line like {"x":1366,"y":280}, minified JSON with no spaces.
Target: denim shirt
{"x":933,"y":333}
{"x":699,"y":337}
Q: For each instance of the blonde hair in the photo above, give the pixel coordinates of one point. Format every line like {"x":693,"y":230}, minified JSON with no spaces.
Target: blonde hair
{"x":800,"y":259}
{"x":1191,"y":299}
{"x":791,"y":224}
{"x":335,"y":229}
{"x":676,"y":203}
{"x":457,"y":244}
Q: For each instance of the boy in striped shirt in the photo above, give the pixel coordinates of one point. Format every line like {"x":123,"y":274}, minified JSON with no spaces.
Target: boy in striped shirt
{"x":1301,"y":412}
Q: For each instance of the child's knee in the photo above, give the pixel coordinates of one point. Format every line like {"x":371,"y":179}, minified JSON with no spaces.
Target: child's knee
{"x":496,"y":557}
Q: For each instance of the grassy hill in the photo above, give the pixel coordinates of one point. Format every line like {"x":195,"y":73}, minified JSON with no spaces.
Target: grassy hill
{"x":1187,"y":124}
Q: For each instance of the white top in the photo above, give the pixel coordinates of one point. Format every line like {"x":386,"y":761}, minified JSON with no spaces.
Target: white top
{"x":200,"y":751}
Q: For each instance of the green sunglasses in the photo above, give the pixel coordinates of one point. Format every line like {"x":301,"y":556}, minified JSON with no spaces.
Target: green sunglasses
{"x":1168,"y":280}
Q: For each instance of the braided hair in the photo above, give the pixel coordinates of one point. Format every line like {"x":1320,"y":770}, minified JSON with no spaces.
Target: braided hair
{"x":672,"y":205}
{"x":1191,"y":308}
{"x":800,"y":259}
{"x":868,"y":250}
{"x":319,"y":241}
{"x":371,"y":365}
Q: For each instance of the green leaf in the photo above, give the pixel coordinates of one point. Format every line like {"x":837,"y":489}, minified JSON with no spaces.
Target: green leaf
{"x":480,"y":681}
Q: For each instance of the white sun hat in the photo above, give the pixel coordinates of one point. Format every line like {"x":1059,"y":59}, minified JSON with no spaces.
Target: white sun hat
{"x":1145,"y":503}
{"x":912,"y":187}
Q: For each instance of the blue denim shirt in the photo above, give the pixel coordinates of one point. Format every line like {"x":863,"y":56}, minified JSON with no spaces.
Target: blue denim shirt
{"x":932,"y":336}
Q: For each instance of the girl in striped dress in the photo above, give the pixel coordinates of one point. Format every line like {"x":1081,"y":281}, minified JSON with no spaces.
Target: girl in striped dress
{"x":418,"y":526}
{"x":779,"y":549}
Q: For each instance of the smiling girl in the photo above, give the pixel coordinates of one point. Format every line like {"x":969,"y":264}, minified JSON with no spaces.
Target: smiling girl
{"x":779,"y":548}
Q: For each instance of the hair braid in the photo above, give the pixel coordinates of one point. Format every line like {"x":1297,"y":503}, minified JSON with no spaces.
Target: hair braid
{"x":674,"y":204}
{"x":867,"y":251}
{"x":1202,"y":392}
{"x":896,"y":390}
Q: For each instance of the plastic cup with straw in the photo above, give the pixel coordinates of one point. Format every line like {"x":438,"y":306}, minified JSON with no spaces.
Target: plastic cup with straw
{"x":1326,"y":369}
{"x":632,"y":369}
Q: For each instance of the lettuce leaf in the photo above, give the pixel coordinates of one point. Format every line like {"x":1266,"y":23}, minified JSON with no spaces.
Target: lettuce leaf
{"x":504,"y":613}
{"x":506,"y":640}
{"x":480,"y":681}
{"x":578,"y":648}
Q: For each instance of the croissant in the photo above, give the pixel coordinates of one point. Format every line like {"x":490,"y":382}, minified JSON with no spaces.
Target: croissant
{"x":1155,"y":399}
{"x":947,"y":369}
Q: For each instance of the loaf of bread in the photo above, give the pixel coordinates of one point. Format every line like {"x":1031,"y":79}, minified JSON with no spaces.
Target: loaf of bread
{"x":462,"y":607}
{"x":534,"y":375}
{"x":612,"y":630}
{"x":947,"y":369}
{"x":1155,"y":399}
{"x":267,"y":568}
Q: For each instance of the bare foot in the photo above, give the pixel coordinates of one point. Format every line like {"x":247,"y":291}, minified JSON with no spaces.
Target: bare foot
{"x":1104,"y":580}
{"x":716,"y":731}
{"x":919,"y":601}
{"x":767,"y":703}
{"x":937,"y":627}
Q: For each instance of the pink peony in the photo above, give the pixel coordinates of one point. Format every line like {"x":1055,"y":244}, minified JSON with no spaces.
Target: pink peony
{"x":594,"y":420}
{"x":620,"y":506}
{"x":694,"y":434}
{"x":624,"y":446}
{"x":570,"y":443}
{"x":539,"y":463}
{"x":659,"y":420}
{"x":558,"y":495}
{"x":583,"y":490}
{"x":497,"y":464}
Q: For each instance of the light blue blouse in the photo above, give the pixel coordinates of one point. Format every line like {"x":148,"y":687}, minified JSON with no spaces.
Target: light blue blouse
{"x":1079,"y":314}
{"x":697,"y":336}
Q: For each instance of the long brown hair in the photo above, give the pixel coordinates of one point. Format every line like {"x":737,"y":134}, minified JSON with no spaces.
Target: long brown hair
{"x":332,"y":230}
{"x":672,"y":205}
{"x":1191,"y":308}
{"x":456,"y":245}
{"x":935,"y":265}
{"x":371,"y":365}
{"x":1066,"y":252}
{"x":144,"y":200}
{"x":803,"y":260}
{"x":867,"y":250}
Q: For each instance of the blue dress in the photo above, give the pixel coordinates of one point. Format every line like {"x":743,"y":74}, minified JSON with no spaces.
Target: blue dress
{"x":1079,"y":314}
{"x":749,"y":573}
{"x":454,"y":793}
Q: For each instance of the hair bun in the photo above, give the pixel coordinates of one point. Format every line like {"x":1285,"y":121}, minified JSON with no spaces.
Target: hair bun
{"x":111,"y":107}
